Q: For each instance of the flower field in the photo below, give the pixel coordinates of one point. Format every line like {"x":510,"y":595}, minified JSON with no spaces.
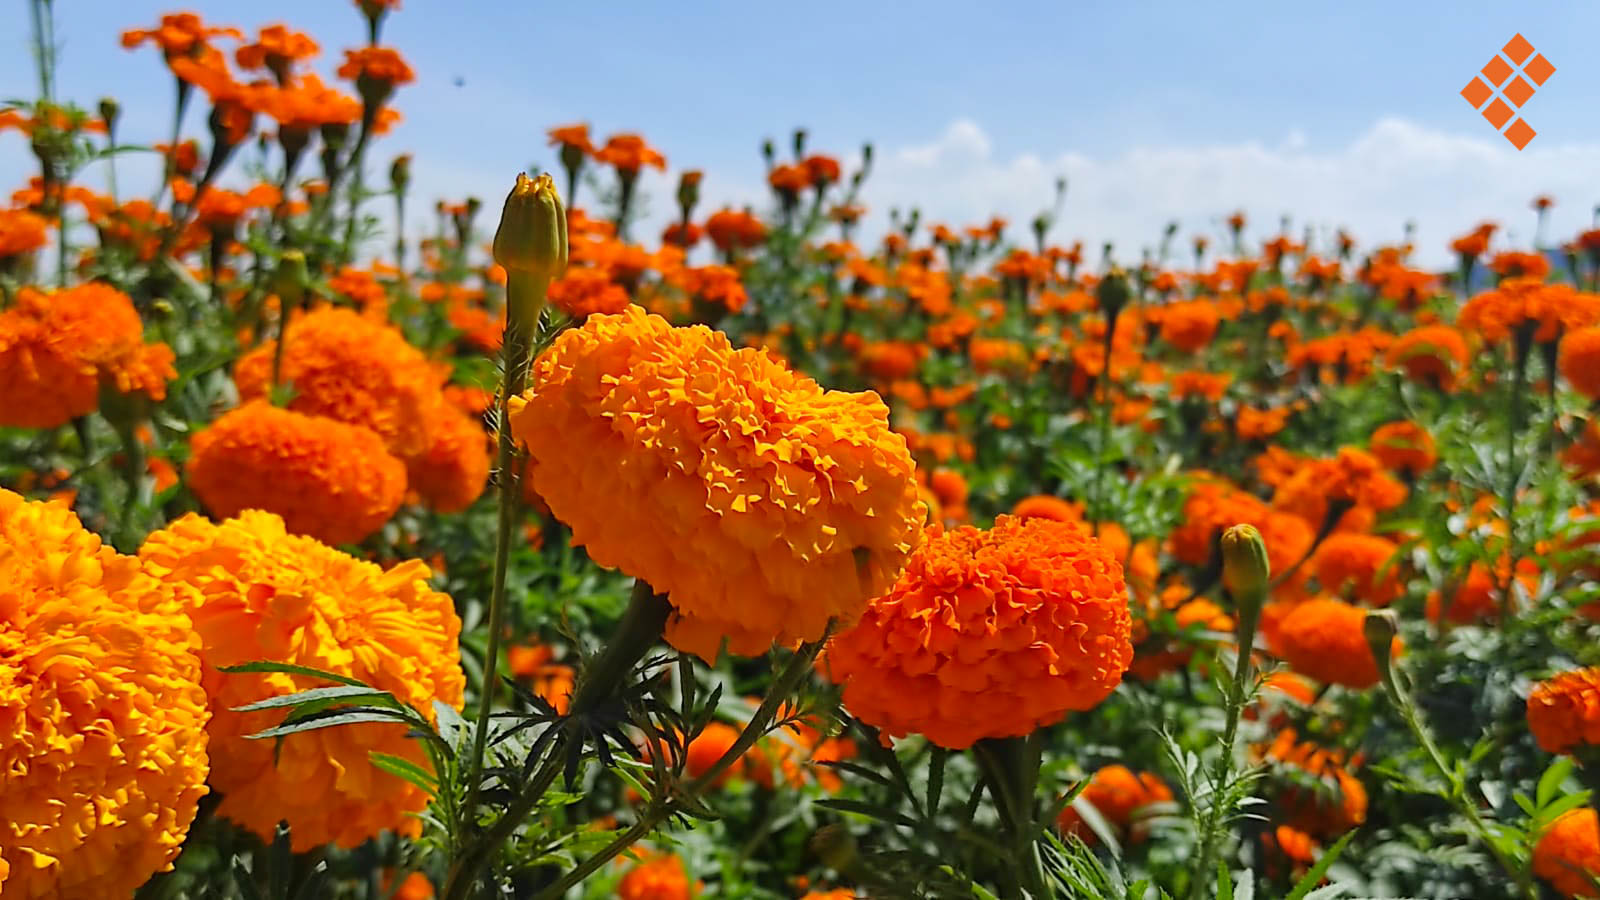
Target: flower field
{"x":764,"y":557}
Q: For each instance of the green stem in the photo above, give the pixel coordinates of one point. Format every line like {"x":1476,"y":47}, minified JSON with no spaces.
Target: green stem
{"x":1523,"y":348}
{"x":783,"y":687}
{"x":1102,"y":427}
{"x":1010,"y":767}
{"x":1222,"y":772}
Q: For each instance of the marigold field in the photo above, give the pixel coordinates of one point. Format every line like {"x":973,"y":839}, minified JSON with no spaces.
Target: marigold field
{"x":542,"y":557}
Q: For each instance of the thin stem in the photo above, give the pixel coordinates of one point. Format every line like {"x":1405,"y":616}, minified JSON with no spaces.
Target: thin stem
{"x":284,"y":307}
{"x":659,"y":811}
{"x":1102,"y":426}
{"x":1010,"y":767}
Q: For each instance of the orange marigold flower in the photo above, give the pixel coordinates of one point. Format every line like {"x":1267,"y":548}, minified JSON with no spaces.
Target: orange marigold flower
{"x":1253,"y":424}
{"x":1298,"y":846}
{"x":1580,"y":360}
{"x":1404,"y":447}
{"x":585,"y":291}
{"x":1207,"y":385}
{"x":21,"y":232}
{"x":451,"y":473}
{"x":378,"y":64}
{"x":257,"y":592}
{"x":1318,"y":811}
{"x":347,"y":367}
{"x":1324,"y":639}
{"x":1431,"y":354}
{"x":57,"y":349}
{"x":1117,"y":793}
{"x":1213,"y":506}
{"x":1568,"y":853}
{"x":629,"y":153}
{"x":276,"y":49}
{"x":658,"y":878}
{"x":1045,"y":506}
{"x":1528,"y":302}
{"x":179,"y":34}
{"x":572,"y":136}
{"x":759,"y":503}
{"x":551,"y":681}
{"x":102,"y":716}
{"x":735,"y":230}
{"x":333,"y":481}
{"x":1353,"y":477}
{"x":1190,"y":325}
{"x":1517,"y":264}
{"x":1564,"y":712}
{"x":1365,"y":563}
{"x":989,"y":634}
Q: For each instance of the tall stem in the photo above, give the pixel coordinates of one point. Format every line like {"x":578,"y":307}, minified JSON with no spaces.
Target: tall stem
{"x":1523,"y":348}
{"x":1010,"y":767}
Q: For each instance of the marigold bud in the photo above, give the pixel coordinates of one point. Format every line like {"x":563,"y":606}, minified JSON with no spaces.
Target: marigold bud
{"x":290,"y":280}
{"x":1380,"y":626}
{"x":1112,"y":293}
{"x":1244,"y":561}
{"x":110,"y":111}
{"x":532,"y":236}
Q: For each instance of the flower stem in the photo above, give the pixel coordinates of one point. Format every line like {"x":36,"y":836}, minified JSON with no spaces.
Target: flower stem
{"x":1010,"y":766}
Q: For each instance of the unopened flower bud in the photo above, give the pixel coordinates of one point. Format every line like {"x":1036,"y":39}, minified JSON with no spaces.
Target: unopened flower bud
{"x":689,"y":190}
{"x":1380,"y":627}
{"x":290,"y":279}
{"x":1245,"y":568}
{"x":110,"y":111}
{"x":400,"y":173}
{"x":1112,"y":293}
{"x":532,"y":236}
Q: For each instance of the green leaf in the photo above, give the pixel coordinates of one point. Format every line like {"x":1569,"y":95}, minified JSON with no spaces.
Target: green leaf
{"x":1224,"y":882}
{"x":870,"y":810}
{"x":1557,"y":809}
{"x":406,"y":769}
{"x":1552,"y":779}
{"x":340,"y":717}
{"x":342,"y":692}
{"x":291,"y":669}
{"x":1308,"y":882}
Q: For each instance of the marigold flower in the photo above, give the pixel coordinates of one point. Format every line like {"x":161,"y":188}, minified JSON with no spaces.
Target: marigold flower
{"x":1404,"y":447}
{"x":1353,"y":477}
{"x":378,"y":64}
{"x":1431,"y":354}
{"x":1329,"y":812}
{"x":585,"y":291}
{"x":551,"y":681}
{"x":21,"y":232}
{"x":1045,"y":506}
{"x":102,"y":716}
{"x":1295,"y":844}
{"x":179,"y":34}
{"x":257,"y":593}
{"x":1568,"y":852}
{"x":348,"y":367}
{"x":1253,"y":424}
{"x":1117,"y":793}
{"x":57,"y":349}
{"x":1580,"y":360}
{"x":760,"y":504}
{"x":989,"y":634}
{"x":326,"y":479}
{"x":1324,"y":639}
{"x":1528,"y":302}
{"x":1190,"y":325}
{"x":1213,"y":506}
{"x":1365,"y":563}
{"x":735,"y":230}
{"x":629,"y":153}
{"x":658,"y":878}
{"x":1564,"y":712}
{"x":452,"y":472}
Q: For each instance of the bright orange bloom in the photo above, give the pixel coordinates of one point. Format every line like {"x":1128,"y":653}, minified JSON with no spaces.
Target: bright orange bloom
{"x":629,"y":153}
{"x":730,"y":230}
{"x":584,"y":291}
{"x":1317,"y":811}
{"x":1354,"y":477}
{"x":989,"y":634}
{"x":760,"y":504}
{"x":1045,"y":506}
{"x":451,"y":473}
{"x":56,"y":350}
{"x":1253,"y":424}
{"x":1564,"y":712}
{"x":382,"y":65}
{"x":1404,"y":447}
{"x":1293,"y":843}
{"x":1580,"y":360}
{"x":276,"y":49}
{"x":1117,"y":794}
{"x":1213,"y":506}
{"x":102,"y":716}
{"x":333,"y":481}
{"x":1207,"y":385}
{"x":821,"y":170}
{"x":1528,"y":302}
{"x":1190,"y":325}
{"x":181,"y":34}
{"x":572,"y":136}
{"x":1568,"y":853}
{"x":1431,"y":354}
{"x":21,"y":232}
{"x":1324,"y":639}
{"x":1365,"y":564}
{"x":1516,"y":264}
{"x":348,"y":367}
{"x":257,"y":592}
{"x":657,"y":878}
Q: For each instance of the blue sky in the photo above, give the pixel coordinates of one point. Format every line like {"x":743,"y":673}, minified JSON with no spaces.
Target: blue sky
{"x":1338,"y":114}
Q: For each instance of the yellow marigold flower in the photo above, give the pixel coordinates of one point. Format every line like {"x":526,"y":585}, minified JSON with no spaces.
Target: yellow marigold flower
{"x":345,"y":366}
{"x":102,"y":717}
{"x":989,"y":634}
{"x":56,"y":349}
{"x":332,"y":481}
{"x":761,"y":504}
{"x":260,"y":593}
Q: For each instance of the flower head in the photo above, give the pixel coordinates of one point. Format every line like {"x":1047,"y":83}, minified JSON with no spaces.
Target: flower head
{"x":657,"y":878}
{"x":333,"y":481}
{"x":1118,"y":794}
{"x":1580,"y":360}
{"x":257,"y":593}
{"x":21,"y":232}
{"x":762,"y":505}
{"x":1568,"y":852}
{"x":1404,"y":447}
{"x":1363,"y":564}
{"x":1564,"y":712}
{"x":102,"y":716}
{"x":56,"y":351}
{"x":1432,"y":354}
{"x":629,"y":153}
{"x":1326,"y":640}
{"x":989,"y":634}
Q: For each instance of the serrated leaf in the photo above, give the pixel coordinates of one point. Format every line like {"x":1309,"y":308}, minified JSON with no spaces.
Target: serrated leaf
{"x":406,"y":769}
{"x":337,"y":693}
{"x":870,"y":810}
{"x":1308,"y":882}
{"x":317,"y":722}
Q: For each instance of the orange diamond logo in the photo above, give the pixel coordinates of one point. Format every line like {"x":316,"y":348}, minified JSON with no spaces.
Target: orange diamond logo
{"x":1506,"y":86}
